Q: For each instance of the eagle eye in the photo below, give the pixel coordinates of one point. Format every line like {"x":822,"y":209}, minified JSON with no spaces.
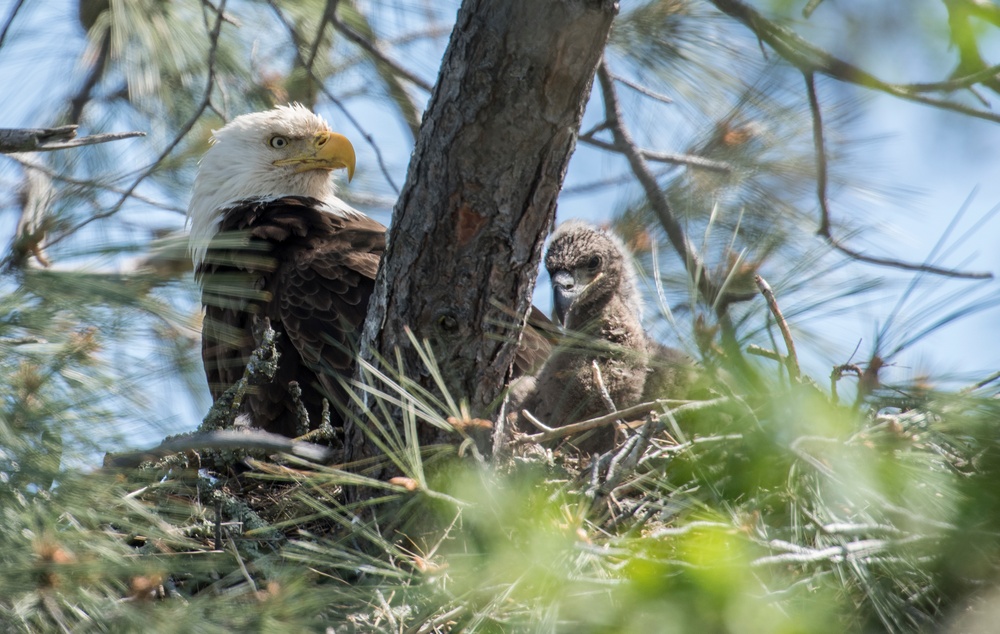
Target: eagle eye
{"x":277,"y":142}
{"x":594,"y":262}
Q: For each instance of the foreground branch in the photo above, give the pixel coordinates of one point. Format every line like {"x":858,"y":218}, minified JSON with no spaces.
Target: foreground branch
{"x":222,"y":439}
{"x":825,"y":231}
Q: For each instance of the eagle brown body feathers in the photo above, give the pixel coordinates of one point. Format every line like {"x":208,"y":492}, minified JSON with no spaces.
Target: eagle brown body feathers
{"x":311,"y":273}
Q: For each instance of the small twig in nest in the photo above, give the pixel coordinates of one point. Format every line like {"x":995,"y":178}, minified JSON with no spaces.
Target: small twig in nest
{"x":772,"y":303}
{"x":677,"y":407}
{"x":528,"y":416}
{"x":599,"y":380}
{"x":838,"y":373}
{"x":301,"y":413}
{"x":324,"y":432}
{"x":626,"y":458}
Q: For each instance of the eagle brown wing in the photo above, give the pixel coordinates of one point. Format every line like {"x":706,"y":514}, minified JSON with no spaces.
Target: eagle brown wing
{"x":311,"y":272}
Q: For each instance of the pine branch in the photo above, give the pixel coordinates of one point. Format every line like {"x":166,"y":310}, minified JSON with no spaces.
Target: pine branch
{"x":809,"y":58}
{"x":824,"y":203}
{"x":206,"y":101}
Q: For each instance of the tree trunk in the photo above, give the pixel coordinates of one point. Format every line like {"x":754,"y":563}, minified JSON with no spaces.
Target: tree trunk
{"x":467,"y":231}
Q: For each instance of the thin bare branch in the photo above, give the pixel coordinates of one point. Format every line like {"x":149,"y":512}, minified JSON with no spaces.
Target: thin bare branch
{"x":89,"y":183}
{"x":757,"y":351}
{"x":824,"y":204}
{"x":599,"y":380}
{"x":337,"y":102}
{"x":643,"y":90}
{"x":811,"y":6}
{"x":611,"y":181}
{"x":809,"y":58}
{"x":528,"y":416}
{"x":206,"y":100}
{"x":980,"y":384}
{"x":688,"y":160}
{"x":82,"y":96}
{"x":328,"y":11}
{"x":9,"y":21}
{"x":374,"y":51}
{"x":47,"y":139}
{"x":792,"y":359}
{"x":657,"y":200}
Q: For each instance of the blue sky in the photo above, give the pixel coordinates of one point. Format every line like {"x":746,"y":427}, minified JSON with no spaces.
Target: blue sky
{"x":931,"y":163}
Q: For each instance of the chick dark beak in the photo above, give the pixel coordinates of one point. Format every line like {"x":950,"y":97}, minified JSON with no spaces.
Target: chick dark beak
{"x":564,"y":291}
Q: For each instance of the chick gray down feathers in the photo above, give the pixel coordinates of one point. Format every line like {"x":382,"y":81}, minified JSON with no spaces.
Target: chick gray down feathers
{"x":596,"y":301}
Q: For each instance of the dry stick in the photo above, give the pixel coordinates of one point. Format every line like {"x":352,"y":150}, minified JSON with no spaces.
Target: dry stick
{"x":641,"y":409}
{"x":360,"y":40}
{"x":824,"y":204}
{"x":599,"y":379}
{"x":772,"y":303}
{"x":659,"y":203}
{"x":48,"y":139}
{"x":979,"y":384}
{"x":83,"y":95}
{"x":53,"y":174}
{"x":606,"y":395}
{"x":811,"y":6}
{"x":598,"y":184}
{"x":639,"y":88}
{"x":528,"y":416}
{"x":330,"y":9}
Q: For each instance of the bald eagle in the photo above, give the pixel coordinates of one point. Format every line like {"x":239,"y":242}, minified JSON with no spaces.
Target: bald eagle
{"x":596,"y":300}
{"x":269,"y":238}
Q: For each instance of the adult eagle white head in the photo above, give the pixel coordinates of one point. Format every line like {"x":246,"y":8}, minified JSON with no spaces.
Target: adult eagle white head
{"x":269,"y":238}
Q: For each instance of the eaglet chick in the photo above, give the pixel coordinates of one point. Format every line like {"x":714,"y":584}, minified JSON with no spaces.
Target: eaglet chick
{"x":596,"y":301}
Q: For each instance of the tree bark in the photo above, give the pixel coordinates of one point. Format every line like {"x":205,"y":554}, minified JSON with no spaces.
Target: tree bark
{"x":480,"y":196}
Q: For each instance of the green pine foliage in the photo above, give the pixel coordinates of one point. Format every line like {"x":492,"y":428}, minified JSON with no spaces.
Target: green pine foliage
{"x":775,"y":503}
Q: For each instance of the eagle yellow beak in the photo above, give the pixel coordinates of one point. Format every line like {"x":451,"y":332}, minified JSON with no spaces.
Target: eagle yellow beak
{"x":327,"y":151}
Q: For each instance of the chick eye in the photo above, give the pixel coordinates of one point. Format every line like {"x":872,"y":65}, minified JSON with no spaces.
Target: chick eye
{"x":594,"y":262}
{"x":278,"y":142}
